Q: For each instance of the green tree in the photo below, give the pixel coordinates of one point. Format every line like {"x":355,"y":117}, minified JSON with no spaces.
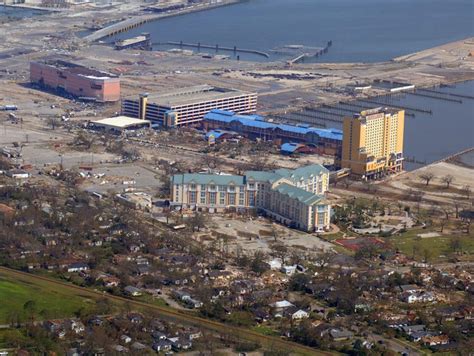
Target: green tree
{"x":298,"y":282}
{"x":30,"y":309}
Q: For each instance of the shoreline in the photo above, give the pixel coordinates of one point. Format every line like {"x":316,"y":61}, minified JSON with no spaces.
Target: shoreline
{"x":136,"y":21}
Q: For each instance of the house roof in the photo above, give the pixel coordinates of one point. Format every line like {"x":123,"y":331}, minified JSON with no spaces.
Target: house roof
{"x":290,"y":147}
{"x":282,"y":304}
{"x":218,"y":133}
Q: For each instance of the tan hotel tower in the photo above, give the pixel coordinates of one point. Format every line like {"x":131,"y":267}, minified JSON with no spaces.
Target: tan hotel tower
{"x":373,"y":142}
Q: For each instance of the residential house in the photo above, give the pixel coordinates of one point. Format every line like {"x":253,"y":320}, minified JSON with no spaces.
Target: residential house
{"x":280,"y":307}
{"x":288,"y":270}
{"x":133,"y":291}
{"x":275,"y":264}
{"x":193,"y":303}
{"x":77,"y":267}
{"x":340,"y":334}
{"x":299,"y":315}
{"x":162,"y":345}
{"x":138,"y":346}
{"x":435,"y":340}
{"x":18,"y":174}
{"x":418,"y":297}
{"x":181,"y":294}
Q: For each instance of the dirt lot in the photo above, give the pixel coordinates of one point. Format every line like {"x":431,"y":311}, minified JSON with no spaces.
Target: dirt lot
{"x":252,"y":234}
{"x":117,"y":178}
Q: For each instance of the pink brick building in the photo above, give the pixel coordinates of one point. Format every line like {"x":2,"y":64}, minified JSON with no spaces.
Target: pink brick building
{"x":76,"y":80}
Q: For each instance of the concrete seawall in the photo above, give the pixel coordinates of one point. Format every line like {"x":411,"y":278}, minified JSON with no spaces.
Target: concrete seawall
{"x":137,"y":21}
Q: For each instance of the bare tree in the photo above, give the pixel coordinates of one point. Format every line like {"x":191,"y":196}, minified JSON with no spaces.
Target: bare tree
{"x":53,"y":122}
{"x":467,"y":191}
{"x":198,"y":221}
{"x":448,"y":179}
{"x":275,"y":233}
{"x":347,"y":182}
{"x":418,"y":195}
{"x":280,"y":251}
{"x":426,"y":177}
{"x":84,"y":139}
{"x":455,"y":244}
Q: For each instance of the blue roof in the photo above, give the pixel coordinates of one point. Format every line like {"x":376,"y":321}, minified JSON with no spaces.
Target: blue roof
{"x":294,"y":129}
{"x":215,"y":133}
{"x":258,"y":122}
{"x":289,"y":147}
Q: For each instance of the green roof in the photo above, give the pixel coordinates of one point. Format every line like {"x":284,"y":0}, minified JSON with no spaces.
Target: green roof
{"x":301,"y":195}
{"x":204,"y":178}
{"x":262,"y":176}
{"x":292,"y":174}
{"x":302,"y":173}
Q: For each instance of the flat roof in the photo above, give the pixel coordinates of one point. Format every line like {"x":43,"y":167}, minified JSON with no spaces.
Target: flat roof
{"x":130,"y":41}
{"x":193,"y":94}
{"x":76,"y":68}
{"x":379,"y":110}
{"x":120,"y":122}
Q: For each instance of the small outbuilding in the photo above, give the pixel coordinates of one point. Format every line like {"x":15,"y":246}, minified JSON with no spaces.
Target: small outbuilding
{"x":119,"y":124}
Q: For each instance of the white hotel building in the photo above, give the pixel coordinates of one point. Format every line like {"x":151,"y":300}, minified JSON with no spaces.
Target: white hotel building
{"x":293,"y":197}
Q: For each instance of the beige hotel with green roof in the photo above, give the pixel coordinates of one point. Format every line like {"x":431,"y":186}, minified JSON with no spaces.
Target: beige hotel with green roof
{"x":292,"y":197}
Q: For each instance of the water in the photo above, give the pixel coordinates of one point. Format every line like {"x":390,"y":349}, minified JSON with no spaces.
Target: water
{"x":448,"y":130}
{"x":17,"y":13}
{"x":361,"y":31}
{"x":431,"y":137}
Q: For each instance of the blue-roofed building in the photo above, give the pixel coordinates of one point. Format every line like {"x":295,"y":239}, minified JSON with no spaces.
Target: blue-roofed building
{"x":292,"y":197}
{"x":215,"y":136}
{"x":329,"y":141}
{"x":290,"y":148}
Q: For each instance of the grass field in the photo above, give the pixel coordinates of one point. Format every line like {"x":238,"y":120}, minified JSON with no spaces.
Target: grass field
{"x":50,"y":302}
{"x":439,"y":248}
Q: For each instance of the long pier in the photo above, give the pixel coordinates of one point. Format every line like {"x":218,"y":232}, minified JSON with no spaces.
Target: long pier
{"x":396,"y":106}
{"x":297,"y":59}
{"x":120,"y":27}
{"x":454,"y":155}
{"x":217,"y":48}
{"x":302,"y":56}
{"x":448,"y":94}
{"x":435,"y":97}
{"x":134,"y":22}
{"x":341,"y":109}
